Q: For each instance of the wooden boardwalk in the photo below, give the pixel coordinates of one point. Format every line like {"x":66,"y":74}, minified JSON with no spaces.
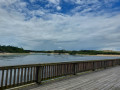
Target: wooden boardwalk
{"x":108,"y":79}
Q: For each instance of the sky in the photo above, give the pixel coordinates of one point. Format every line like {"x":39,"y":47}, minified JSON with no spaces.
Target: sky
{"x":60,"y":24}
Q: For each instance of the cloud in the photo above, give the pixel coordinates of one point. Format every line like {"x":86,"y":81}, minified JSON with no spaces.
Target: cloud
{"x":57,"y":30}
{"x":54,"y":1}
{"x":58,"y":8}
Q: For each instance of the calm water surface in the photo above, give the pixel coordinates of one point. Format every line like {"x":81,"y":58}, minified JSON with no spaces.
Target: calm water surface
{"x":19,"y":59}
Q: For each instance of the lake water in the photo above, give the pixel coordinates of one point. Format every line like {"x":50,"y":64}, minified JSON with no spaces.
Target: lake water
{"x":20,"y":59}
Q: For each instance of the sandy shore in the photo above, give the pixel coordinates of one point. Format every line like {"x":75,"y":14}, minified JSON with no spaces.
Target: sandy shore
{"x":91,"y":55}
{"x":107,"y":55}
{"x":2,"y":54}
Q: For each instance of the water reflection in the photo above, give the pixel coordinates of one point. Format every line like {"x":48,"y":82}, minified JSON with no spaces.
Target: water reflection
{"x":8,"y":57}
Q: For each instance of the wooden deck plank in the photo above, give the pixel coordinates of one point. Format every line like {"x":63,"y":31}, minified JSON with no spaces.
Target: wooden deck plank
{"x":108,"y":79}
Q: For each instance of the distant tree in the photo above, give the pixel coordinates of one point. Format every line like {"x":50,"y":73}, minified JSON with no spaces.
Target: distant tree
{"x":12,"y":49}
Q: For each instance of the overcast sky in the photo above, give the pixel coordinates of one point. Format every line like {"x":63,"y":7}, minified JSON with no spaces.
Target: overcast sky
{"x":60,"y":24}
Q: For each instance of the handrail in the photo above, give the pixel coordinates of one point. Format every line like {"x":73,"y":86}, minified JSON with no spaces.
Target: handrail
{"x":11,"y":76}
{"x":26,"y":65}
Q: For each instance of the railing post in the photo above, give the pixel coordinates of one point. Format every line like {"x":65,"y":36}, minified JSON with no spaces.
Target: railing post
{"x":112,"y":63}
{"x":74,"y":68}
{"x":38,"y":74}
{"x":93,"y":66}
{"x":105,"y":64}
{"x":119,"y":61}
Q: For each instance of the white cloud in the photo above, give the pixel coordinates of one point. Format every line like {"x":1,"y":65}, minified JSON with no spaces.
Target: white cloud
{"x":56,"y":2}
{"x":8,"y":2}
{"x":58,"y":8}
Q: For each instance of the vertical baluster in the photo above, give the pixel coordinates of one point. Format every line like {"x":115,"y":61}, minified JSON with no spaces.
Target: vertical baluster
{"x":84,"y":65}
{"x":31,"y":74}
{"x":79,"y":67}
{"x":48,"y":71}
{"x":6,"y":81}
{"x":104,"y":64}
{"x":42,"y":72}
{"x":70,"y":68}
{"x":34,"y":73}
{"x":45,"y":72}
{"x":28,"y":75}
{"x":53,"y":71}
{"x":56,"y":70}
{"x":14,"y":77}
{"x":2,"y":78}
{"x":96,"y":64}
{"x":25,"y":75}
{"x":88,"y":65}
{"x":64,"y":69}
{"x":10,"y":81}
{"x":18,"y":76}
{"x":21,"y":75}
{"x":60,"y":69}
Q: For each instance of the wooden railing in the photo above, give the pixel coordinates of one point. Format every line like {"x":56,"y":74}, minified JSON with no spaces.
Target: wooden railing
{"x":11,"y":76}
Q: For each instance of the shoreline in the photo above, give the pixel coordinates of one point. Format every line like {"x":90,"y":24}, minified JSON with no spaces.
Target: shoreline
{"x":105,"y":55}
{"x":2,"y":54}
{"x":89,"y":55}
{"x":5,"y":54}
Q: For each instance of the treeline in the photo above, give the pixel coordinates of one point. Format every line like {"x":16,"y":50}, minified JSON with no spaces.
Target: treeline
{"x":12,"y":49}
{"x":88,"y":52}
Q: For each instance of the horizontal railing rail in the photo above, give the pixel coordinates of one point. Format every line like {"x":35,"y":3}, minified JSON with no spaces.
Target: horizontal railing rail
{"x":11,"y":76}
